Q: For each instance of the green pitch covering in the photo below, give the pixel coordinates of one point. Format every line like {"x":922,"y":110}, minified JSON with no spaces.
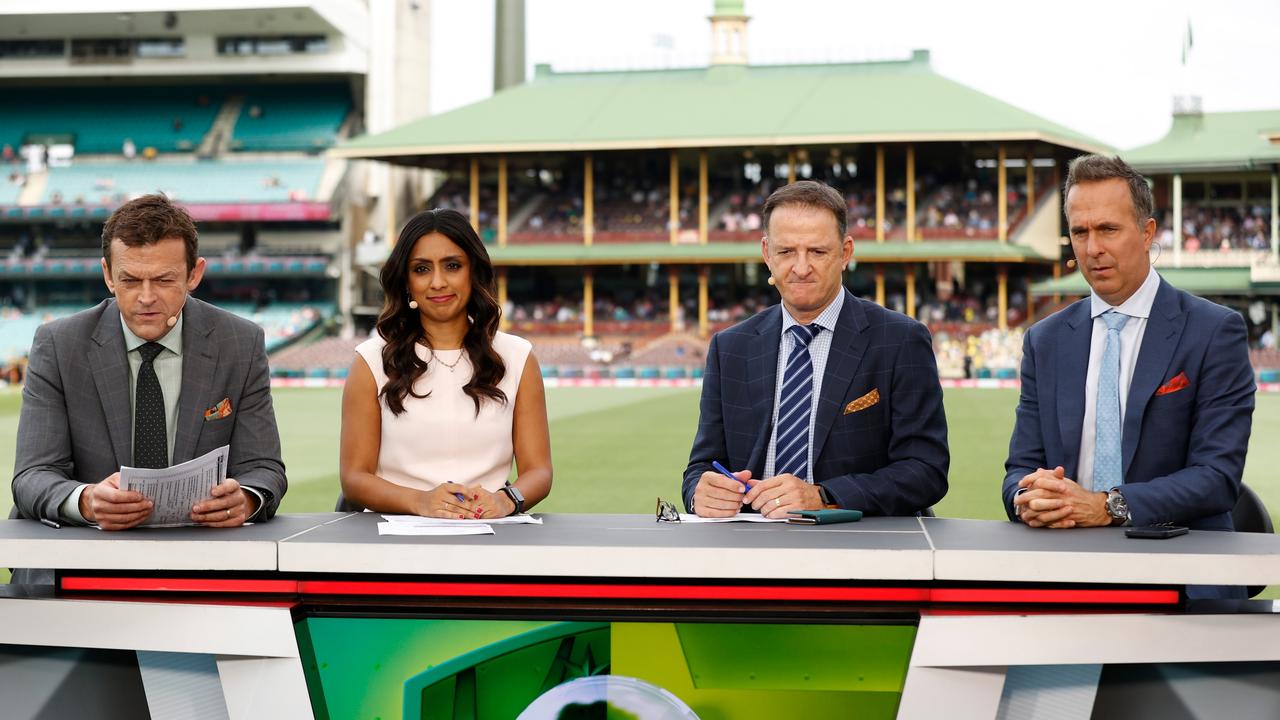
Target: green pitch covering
{"x":617,"y":449}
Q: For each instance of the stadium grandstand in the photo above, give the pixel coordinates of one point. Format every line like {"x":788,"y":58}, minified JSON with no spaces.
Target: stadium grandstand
{"x":622,"y":210}
{"x":229,"y":111}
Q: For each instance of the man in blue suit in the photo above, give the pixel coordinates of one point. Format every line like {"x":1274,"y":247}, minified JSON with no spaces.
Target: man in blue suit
{"x":1137,"y":401}
{"x":824,"y":401}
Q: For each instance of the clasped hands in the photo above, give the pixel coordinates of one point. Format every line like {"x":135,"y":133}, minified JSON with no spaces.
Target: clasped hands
{"x":111,"y":508}
{"x":458,"y":502}
{"x":718,"y":496}
{"x":1053,"y":500}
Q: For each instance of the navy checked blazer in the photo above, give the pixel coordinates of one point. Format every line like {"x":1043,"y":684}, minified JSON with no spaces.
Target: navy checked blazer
{"x":880,"y":432}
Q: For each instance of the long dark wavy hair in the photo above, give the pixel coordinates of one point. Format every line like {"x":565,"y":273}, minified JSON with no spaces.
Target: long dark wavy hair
{"x":400,"y":326}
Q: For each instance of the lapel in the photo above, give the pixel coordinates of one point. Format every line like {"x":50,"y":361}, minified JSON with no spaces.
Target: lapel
{"x":848,"y":344}
{"x":111,"y":373}
{"x":1159,"y":340}
{"x":762,"y":374}
{"x":199,"y":363}
{"x":1073,"y":358}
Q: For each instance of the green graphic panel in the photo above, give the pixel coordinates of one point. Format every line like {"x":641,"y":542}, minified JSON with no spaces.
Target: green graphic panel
{"x":501,"y":680}
{"x":361,"y":664}
{"x":770,"y":671}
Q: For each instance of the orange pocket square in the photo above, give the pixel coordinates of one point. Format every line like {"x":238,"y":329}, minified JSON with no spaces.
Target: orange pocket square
{"x":863,"y":402}
{"x":1179,"y":382}
{"x":219,"y":411}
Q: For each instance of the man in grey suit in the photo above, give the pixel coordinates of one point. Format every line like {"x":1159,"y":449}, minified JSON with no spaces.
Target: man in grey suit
{"x":150,"y":379}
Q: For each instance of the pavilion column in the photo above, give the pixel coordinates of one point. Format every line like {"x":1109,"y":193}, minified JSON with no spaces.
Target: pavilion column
{"x":673,"y":297}
{"x":1031,"y":183}
{"x":588,"y":200}
{"x":911,"y":193}
{"x":1002,"y":295}
{"x":704,"y":274}
{"x":880,"y":194}
{"x":911,"y":290}
{"x":588,"y":302}
{"x":1057,"y":275}
{"x":504,"y":322}
{"x":474,"y":204}
{"x":502,"y":201}
{"x":673,"y":220}
{"x":1031,"y":304}
{"x":1002,"y":197}
{"x":1177,"y":219}
{"x":702,"y":197}
{"x":1275,"y":215}
{"x":880,"y":285}
{"x":791,"y":166}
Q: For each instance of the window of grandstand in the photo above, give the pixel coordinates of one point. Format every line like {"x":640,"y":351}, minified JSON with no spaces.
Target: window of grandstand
{"x":32,"y":49}
{"x":101,"y":50}
{"x":161,"y":48}
{"x":272,"y":45}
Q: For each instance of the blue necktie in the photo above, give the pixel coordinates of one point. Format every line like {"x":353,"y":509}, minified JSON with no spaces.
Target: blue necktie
{"x":794,"y":406}
{"x":1107,"y":429}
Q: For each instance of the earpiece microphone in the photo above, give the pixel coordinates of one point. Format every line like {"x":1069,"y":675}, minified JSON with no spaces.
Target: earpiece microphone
{"x":1071,"y":264}
{"x":174,"y":319}
{"x":771,"y":281}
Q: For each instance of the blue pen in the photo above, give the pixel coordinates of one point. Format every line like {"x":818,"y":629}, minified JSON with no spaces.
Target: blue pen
{"x":716,"y":464}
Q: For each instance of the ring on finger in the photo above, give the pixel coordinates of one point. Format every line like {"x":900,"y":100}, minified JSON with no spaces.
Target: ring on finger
{"x":228,"y":513}
{"x":777,"y":502}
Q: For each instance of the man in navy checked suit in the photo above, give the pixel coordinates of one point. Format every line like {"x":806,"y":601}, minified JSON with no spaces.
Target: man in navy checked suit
{"x":872,"y":436}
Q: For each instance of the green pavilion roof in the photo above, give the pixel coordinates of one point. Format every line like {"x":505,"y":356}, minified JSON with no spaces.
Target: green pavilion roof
{"x":738,"y":252}
{"x":1200,"y":281}
{"x":718,"y":106}
{"x":1228,"y":141}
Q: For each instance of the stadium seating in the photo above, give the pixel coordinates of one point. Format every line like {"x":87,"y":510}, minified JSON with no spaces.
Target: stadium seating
{"x":192,"y":182}
{"x":17,"y":329}
{"x":99,"y":119}
{"x":291,"y":117}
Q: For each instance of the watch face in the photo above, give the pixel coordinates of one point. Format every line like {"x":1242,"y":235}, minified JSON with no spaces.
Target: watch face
{"x":515,"y":493}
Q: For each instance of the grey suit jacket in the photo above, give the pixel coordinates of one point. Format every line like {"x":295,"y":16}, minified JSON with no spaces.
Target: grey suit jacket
{"x":76,"y":425}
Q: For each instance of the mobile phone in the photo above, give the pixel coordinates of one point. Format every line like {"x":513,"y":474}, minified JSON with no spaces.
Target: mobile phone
{"x":1155,"y":532}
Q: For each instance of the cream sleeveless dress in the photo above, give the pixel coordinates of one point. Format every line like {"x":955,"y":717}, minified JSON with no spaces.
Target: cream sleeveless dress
{"x":440,"y":438}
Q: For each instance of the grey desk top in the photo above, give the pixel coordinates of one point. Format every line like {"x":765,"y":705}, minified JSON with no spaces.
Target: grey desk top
{"x":26,"y":543}
{"x":1005,"y":551}
{"x":624,"y":546}
{"x":904,"y":549}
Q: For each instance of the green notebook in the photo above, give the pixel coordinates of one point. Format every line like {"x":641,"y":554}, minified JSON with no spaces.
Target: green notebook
{"x":823,"y":517}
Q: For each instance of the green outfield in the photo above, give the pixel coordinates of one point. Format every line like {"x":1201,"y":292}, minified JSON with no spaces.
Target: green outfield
{"x":617,"y":449}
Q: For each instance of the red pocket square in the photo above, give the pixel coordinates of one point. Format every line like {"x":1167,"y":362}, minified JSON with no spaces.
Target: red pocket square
{"x":1178,"y":382}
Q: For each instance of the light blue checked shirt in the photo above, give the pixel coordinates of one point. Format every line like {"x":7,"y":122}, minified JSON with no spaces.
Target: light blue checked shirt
{"x":819,"y":349}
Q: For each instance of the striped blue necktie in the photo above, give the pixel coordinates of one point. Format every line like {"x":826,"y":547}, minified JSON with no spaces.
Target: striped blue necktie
{"x":794,"y":406}
{"x":1107,"y":466}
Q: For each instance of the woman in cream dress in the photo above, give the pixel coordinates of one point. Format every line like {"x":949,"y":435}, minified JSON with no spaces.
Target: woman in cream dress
{"x":438,"y":402}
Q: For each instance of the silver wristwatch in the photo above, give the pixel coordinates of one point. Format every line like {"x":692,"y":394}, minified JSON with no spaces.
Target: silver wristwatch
{"x":1117,"y":508}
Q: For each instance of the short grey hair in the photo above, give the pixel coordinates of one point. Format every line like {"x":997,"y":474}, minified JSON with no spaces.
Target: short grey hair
{"x":1096,"y":168}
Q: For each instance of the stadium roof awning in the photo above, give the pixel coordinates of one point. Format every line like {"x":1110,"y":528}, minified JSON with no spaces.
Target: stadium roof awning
{"x":718,"y":106}
{"x":1199,"y":281}
{"x":1213,"y":142}
{"x":742,"y":252}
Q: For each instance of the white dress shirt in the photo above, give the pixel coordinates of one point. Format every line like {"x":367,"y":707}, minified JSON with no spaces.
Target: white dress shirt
{"x":1138,"y":308}
{"x":819,"y":349}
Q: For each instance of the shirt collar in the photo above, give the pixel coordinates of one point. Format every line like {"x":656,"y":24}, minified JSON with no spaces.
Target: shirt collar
{"x":171,"y":341}
{"x":1138,"y":305}
{"x":827,"y":318}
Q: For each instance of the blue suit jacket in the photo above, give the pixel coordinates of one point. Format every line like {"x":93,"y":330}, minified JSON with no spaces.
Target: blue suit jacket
{"x":889,"y":458}
{"x":1183,"y":450}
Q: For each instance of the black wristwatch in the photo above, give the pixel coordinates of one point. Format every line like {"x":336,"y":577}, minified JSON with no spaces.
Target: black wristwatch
{"x":824,"y":495}
{"x":517,"y":498}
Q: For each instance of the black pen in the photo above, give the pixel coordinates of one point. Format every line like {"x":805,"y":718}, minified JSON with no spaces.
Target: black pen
{"x":50,"y":523}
